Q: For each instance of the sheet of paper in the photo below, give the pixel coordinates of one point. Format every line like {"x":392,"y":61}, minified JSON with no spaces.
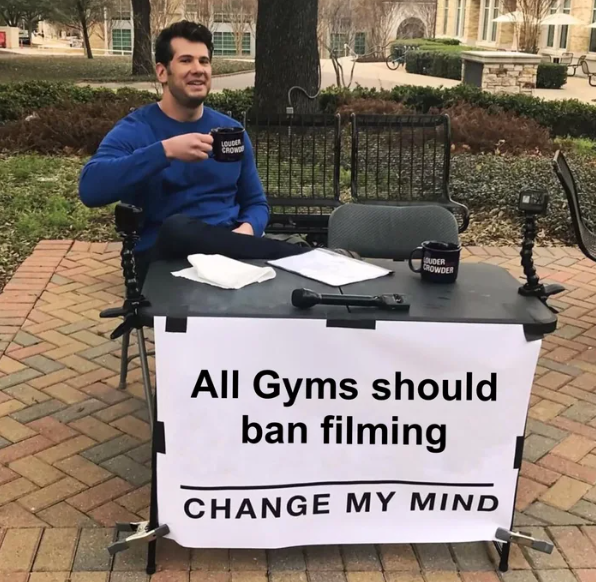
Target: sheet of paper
{"x":330,"y":268}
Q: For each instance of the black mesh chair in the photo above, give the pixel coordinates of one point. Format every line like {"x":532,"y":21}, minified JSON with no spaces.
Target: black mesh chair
{"x":586,"y":239}
{"x":403,"y":160}
{"x":298,"y":160}
{"x":389,"y":232}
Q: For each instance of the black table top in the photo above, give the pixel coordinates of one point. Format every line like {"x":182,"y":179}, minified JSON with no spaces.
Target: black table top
{"x":482,"y":294}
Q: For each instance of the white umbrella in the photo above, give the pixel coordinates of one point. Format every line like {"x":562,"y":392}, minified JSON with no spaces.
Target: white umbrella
{"x":516,"y":16}
{"x":559,"y":18}
{"x":593,"y":25}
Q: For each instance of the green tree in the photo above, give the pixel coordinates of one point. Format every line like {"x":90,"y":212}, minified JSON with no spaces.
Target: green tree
{"x":11,"y":12}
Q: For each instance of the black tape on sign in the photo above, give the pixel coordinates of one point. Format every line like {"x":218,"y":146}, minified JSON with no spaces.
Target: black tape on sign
{"x":533,"y":332}
{"x":160,"y":438}
{"x":519,"y":451}
{"x":353,"y":324}
{"x":177,"y":322}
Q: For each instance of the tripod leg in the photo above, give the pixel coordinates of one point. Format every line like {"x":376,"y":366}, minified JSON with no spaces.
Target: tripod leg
{"x":504,"y":562}
{"x":146,"y":376}
{"x":124,"y":360}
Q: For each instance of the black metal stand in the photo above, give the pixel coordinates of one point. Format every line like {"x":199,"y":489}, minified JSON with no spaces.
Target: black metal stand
{"x":503,"y":550}
{"x":533,"y":287}
{"x":508,"y":537}
{"x":127,"y":225}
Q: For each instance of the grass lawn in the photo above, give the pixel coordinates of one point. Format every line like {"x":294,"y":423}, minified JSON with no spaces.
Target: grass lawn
{"x":18,"y":68}
{"x":38,"y":200}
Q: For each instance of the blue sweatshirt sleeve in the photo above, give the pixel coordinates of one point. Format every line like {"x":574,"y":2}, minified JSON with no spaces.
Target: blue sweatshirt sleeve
{"x":254,"y":208}
{"x":119,"y":166}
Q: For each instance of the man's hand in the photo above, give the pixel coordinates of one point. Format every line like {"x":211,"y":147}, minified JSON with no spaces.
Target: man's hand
{"x":245,"y":228}
{"x":190,"y":147}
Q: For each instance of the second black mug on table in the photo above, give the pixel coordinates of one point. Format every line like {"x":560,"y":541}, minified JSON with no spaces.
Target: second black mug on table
{"x":439,"y":261}
{"x":228,"y":144}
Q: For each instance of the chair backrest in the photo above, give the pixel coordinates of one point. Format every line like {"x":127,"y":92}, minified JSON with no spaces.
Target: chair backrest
{"x":298,"y":161}
{"x":566,"y":59}
{"x":588,"y":67}
{"x":586,"y":239}
{"x":389,"y":232}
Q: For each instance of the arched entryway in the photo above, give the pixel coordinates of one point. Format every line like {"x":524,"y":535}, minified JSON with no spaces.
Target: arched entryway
{"x":411,"y":28}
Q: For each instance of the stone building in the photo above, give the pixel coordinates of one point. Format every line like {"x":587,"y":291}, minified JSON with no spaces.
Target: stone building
{"x":471,"y":21}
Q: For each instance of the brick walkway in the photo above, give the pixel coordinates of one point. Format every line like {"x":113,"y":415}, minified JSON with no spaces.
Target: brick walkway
{"x":74,"y":454}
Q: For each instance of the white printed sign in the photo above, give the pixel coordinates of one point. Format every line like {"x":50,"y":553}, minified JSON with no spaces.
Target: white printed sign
{"x":288,"y":432}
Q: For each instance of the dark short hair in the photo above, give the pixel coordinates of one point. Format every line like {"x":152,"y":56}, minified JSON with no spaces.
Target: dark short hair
{"x":191,"y":31}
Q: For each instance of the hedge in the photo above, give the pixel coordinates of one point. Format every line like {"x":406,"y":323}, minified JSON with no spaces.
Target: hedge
{"x":563,"y":118}
{"x":436,"y":45}
{"x":434,"y":63}
{"x":17,"y":100}
{"x":448,"y":65}
{"x":551,"y":76}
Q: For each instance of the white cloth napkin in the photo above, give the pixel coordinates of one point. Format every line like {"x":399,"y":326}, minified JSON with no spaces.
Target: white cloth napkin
{"x":224,"y":272}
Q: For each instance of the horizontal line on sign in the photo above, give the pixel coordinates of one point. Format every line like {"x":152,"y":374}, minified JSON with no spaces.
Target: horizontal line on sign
{"x":327,"y":483}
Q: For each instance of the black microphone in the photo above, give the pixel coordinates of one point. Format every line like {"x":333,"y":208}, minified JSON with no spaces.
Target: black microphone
{"x":306,"y":298}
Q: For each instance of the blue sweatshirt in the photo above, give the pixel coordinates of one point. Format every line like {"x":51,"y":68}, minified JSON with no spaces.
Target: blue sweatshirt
{"x":130,"y":165}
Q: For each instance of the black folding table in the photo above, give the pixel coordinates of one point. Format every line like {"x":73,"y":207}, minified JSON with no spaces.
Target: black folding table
{"x":483,"y":293}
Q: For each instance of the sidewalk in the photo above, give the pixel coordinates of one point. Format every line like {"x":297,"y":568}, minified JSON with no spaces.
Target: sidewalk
{"x":74,"y":453}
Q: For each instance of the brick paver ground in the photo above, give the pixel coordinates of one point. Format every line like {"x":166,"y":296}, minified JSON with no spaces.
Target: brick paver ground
{"x":74,"y":454}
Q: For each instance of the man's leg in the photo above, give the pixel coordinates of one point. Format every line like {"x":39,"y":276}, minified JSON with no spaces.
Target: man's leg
{"x":182,"y":235}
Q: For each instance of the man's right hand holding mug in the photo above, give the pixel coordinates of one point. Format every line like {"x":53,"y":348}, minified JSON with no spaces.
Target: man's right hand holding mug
{"x":190,"y":147}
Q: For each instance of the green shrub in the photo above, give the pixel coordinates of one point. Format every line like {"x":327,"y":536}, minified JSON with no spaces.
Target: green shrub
{"x":434,"y":63}
{"x":18,"y":100}
{"x":551,"y":76}
{"x":490,"y":186}
{"x":448,"y":41}
{"x":78,"y":127}
{"x":425,"y":44}
{"x":234,"y":102}
{"x":563,"y":118}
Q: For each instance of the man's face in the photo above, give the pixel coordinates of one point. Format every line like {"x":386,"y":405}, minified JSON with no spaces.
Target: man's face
{"x":188,"y":76}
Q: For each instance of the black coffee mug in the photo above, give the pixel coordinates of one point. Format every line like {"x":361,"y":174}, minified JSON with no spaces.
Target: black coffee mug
{"x":440,"y":261}
{"x":228,"y":144}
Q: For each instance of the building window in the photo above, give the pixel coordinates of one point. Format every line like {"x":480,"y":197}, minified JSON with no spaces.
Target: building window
{"x":122,"y":10}
{"x":360,"y":43}
{"x":338,"y":40}
{"x":191,"y":9}
{"x":122,"y":39}
{"x":493,"y":32}
{"x":592,"y":47}
{"x":224,"y":44}
{"x":490,"y":10}
{"x":446,"y":16}
{"x":486,"y":18}
{"x":550,"y":35}
{"x":459,"y":19}
{"x":565,"y":28}
{"x":246,"y":43}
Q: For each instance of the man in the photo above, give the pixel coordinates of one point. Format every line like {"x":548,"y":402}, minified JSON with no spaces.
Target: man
{"x":157,"y":158}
